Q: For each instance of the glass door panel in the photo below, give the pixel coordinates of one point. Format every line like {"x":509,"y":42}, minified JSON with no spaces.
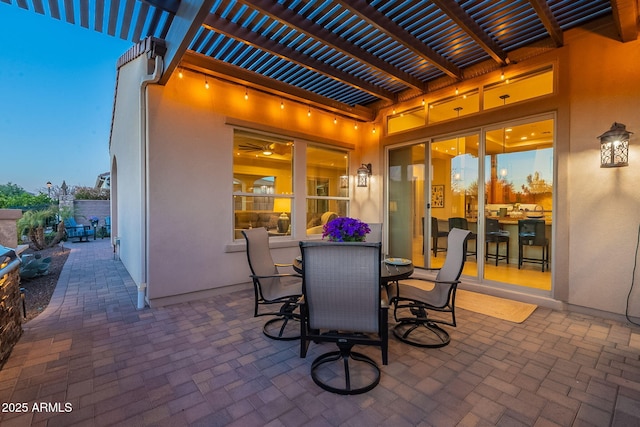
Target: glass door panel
{"x":406,"y":188}
{"x":518,"y":168}
{"x":454,"y":195}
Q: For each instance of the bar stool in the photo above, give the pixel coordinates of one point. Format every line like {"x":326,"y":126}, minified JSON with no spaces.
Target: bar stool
{"x":531,"y":233}
{"x":493,"y":234}
{"x":463,"y":224}
{"x":436,"y":235}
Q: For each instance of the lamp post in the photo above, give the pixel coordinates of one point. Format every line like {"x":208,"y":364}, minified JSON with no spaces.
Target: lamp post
{"x":49,"y":185}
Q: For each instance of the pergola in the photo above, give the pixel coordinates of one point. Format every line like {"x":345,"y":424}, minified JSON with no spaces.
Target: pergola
{"x":348,"y":57}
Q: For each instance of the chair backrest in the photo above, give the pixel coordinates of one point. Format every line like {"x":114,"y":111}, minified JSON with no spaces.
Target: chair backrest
{"x":456,"y":249}
{"x":434,"y":226}
{"x":70,"y":222}
{"x":491,"y":225}
{"x":531,"y":232}
{"x":259,"y":257}
{"x":341,"y":285}
{"x":458,"y":222}
{"x":376,"y":233}
{"x":452,"y":268}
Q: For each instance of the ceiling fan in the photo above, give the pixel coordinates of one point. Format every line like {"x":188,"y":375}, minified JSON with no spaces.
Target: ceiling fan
{"x":263,"y":145}
{"x":266,"y":149}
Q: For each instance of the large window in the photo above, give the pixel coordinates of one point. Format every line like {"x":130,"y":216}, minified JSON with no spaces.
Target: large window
{"x":327,"y":186}
{"x":262,"y":183}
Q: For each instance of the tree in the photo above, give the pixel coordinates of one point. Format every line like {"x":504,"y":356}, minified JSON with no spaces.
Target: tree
{"x":13,"y":196}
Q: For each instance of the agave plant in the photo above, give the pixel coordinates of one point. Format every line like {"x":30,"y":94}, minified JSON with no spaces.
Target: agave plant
{"x":34,"y":266}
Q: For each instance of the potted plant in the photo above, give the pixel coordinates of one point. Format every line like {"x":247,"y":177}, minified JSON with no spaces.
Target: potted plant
{"x":345,"y":229}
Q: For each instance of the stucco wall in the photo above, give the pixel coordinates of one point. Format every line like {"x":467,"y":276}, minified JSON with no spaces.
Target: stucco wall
{"x":85,"y":209}
{"x":126,"y":149}
{"x":9,"y":226}
{"x":191,"y":246}
{"x":605,"y":203}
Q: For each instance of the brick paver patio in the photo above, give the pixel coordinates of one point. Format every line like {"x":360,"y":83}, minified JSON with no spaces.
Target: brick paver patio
{"x":92,"y":359}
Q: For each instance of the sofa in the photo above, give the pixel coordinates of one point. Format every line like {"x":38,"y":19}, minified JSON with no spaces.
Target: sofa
{"x":253,"y":219}
{"x":317,"y":227}
{"x":269,"y":220}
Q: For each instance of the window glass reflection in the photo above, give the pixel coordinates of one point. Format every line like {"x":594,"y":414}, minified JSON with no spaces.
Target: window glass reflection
{"x":327,"y":186}
{"x":262,"y":183}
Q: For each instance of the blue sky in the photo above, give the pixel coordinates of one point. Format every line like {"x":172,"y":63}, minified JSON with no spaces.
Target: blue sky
{"x":57,"y":82}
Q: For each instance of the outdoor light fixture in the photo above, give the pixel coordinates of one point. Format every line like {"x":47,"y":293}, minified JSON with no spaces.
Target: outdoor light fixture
{"x":614,"y":147}
{"x":364,"y":172}
{"x":344,"y":181}
{"x":49,"y":185}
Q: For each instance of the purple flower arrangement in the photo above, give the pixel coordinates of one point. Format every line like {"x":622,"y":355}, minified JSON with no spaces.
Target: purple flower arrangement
{"x":345,"y":229}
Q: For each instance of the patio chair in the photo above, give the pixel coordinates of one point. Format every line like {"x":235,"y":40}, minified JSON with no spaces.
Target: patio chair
{"x":343,"y":303}
{"x":272,"y":288}
{"x":414,"y":298}
{"x":107,"y":227}
{"x":77,"y":231}
{"x":375,"y":235}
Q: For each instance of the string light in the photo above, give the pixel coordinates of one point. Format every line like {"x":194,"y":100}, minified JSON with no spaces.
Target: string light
{"x":355,"y":125}
{"x":335,"y":120}
{"x":180,"y":75}
{"x":309,"y":112}
{"x":206,"y":83}
{"x":457,"y":90}
{"x":423,"y":102}
{"x":374,"y":129}
{"x":282,"y":105}
{"x":501,"y":75}
{"x":246,"y":94}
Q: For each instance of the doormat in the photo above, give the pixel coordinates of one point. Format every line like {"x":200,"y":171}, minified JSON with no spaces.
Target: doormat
{"x":513,"y":311}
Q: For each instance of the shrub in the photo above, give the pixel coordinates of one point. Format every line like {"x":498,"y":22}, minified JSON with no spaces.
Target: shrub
{"x":91,"y":193}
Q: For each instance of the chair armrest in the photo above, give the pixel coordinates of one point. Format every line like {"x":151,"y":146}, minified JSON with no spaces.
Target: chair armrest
{"x":384,"y":298}
{"x":426,"y":279}
{"x":283,"y":265}
{"x":435,"y":282}
{"x":271,"y":276}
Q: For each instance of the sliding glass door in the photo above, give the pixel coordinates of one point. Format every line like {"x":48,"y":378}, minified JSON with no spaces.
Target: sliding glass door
{"x":433,"y":186}
{"x":406,"y":202}
{"x":518,"y":165}
{"x":454,"y":195}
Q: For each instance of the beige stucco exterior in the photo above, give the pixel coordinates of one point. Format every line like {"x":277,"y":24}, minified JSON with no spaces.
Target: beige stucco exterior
{"x":174,"y":199}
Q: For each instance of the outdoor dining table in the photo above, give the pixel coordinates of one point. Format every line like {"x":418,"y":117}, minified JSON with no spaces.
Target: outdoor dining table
{"x":393,"y":269}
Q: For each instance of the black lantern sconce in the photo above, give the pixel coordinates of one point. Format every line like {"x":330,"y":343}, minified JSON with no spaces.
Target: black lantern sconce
{"x":364,"y":172}
{"x":614,"y":147}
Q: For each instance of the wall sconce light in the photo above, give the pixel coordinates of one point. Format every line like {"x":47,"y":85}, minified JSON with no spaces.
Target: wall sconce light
{"x":364,"y":172}
{"x":614,"y":147}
